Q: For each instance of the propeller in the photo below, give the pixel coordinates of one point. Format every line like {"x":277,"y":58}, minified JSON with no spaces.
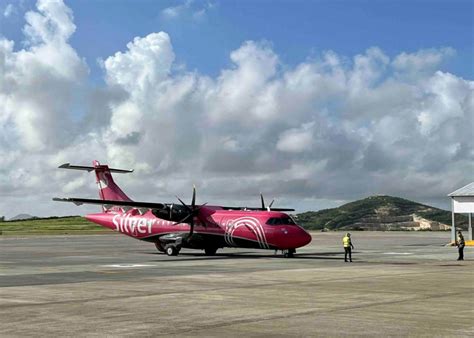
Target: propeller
{"x":193,"y":211}
{"x":263,"y":203}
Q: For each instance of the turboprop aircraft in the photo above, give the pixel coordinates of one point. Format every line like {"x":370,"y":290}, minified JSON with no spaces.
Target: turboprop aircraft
{"x":172,"y":226}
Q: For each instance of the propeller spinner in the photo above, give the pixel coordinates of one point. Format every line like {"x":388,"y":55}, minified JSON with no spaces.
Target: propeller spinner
{"x":193,"y":211}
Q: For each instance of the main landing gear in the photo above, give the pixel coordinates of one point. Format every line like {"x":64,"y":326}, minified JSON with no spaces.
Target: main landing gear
{"x":210,"y":251}
{"x":170,"y":244}
{"x":169,"y":249}
{"x":290,"y":253}
{"x":172,"y":250}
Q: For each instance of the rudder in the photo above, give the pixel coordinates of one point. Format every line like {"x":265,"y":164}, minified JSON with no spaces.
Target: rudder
{"x":108,"y":189}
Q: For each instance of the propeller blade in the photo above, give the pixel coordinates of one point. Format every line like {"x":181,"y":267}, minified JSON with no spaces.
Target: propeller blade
{"x":202,"y":205}
{"x":193,"y":211}
{"x":262,"y":200}
{"x":191,"y":231}
{"x":270,"y":205}
{"x":197,"y":214}
{"x":184,"y":204}
{"x":183,"y":220}
{"x":193,"y":202}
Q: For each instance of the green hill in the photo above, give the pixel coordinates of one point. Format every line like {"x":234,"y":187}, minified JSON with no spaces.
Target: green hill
{"x":380,"y":213}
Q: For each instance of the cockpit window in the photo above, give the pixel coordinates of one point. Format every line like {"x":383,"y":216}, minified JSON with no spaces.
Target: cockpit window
{"x":280,"y":221}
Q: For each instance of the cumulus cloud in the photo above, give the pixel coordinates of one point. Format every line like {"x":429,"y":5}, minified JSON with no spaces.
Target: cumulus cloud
{"x":422,"y":60}
{"x":189,"y":9}
{"x":52,"y":23}
{"x":296,"y":139}
{"x":146,"y":62}
{"x":329,"y":129}
{"x":441,"y":101}
{"x":38,"y":84}
{"x":244,"y":93}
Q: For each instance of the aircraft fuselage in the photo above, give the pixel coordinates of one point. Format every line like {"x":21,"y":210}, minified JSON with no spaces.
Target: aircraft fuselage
{"x":213,"y":226}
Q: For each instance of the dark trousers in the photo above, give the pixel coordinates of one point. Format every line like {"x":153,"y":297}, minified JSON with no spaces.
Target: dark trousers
{"x":461,"y":252}
{"x":347,"y":250}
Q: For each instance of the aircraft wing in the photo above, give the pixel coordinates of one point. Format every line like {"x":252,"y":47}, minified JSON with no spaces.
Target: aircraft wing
{"x":111,"y":203}
{"x":258,"y":209}
{"x":146,"y":205}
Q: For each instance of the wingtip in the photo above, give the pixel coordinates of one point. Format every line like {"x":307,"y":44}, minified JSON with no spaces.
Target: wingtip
{"x":59,"y":199}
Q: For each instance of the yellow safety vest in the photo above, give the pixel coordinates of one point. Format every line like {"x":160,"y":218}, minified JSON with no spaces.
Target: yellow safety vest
{"x":347,"y":242}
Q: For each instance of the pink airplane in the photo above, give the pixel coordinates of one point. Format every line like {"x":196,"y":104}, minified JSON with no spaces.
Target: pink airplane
{"x":173,"y":226}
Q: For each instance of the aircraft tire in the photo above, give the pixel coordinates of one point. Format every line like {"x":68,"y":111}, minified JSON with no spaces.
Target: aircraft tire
{"x":210,"y":251}
{"x":171,"y":250}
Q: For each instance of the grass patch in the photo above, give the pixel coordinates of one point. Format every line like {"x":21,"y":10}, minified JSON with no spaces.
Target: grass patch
{"x":52,"y":225}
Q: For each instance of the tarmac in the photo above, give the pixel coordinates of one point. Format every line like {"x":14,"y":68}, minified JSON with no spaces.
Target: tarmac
{"x":400,"y":284}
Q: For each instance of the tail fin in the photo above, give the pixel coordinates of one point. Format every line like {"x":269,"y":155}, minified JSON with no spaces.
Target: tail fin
{"x":108,"y":190}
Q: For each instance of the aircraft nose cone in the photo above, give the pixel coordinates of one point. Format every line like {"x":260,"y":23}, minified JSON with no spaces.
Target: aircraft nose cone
{"x":305,"y":237}
{"x":292,"y":237}
{"x":300,"y":237}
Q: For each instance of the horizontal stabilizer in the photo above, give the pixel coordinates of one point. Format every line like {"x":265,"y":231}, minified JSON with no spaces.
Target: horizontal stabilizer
{"x":111,"y":203}
{"x":87,"y":168}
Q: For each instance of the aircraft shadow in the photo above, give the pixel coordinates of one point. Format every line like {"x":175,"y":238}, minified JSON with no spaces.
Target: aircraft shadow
{"x":248,"y":255}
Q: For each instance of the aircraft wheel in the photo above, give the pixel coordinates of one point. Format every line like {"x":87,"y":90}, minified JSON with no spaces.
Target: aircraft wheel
{"x":159,"y":247}
{"x":289,"y":253}
{"x":171,"y":250}
{"x":210,"y":251}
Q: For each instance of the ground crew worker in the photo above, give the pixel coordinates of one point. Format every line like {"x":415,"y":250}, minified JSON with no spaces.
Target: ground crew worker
{"x":346,"y":241}
{"x":460,"y":244}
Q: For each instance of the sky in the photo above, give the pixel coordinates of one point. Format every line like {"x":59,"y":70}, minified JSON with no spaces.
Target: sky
{"x":312,"y":103}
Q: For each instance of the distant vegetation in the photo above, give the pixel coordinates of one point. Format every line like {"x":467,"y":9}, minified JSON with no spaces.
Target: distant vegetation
{"x":50,"y":225}
{"x":22,"y":217}
{"x":355,"y":212}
